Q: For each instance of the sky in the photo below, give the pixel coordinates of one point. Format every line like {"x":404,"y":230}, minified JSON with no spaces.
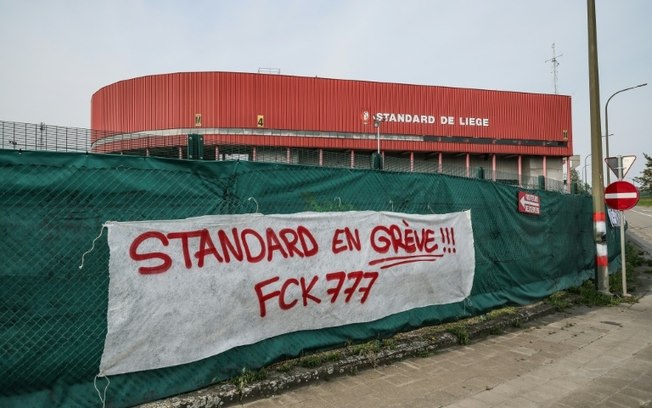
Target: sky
{"x":56,"y":54}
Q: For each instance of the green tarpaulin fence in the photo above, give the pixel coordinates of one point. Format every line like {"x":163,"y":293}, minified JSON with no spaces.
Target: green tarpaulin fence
{"x":53,"y":206}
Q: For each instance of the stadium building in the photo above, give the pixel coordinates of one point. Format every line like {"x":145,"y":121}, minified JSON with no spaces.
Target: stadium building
{"x":513,"y":137}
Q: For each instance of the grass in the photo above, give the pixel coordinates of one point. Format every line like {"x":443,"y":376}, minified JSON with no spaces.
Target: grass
{"x":248,"y":377}
{"x":503,"y":311}
{"x":461,"y":332}
{"x":645,"y":201}
{"x":371,"y":347}
{"x":560,"y":300}
{"x":389,"y":343}
{"x":635,"y":260}
{"x":586,"y":294}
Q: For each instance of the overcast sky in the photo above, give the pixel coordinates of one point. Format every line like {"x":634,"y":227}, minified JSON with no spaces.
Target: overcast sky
{"x":56,"y":54}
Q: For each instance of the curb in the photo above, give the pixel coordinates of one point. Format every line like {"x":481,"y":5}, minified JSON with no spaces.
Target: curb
{"x":639,"y":241}
{"x":417,"y":343}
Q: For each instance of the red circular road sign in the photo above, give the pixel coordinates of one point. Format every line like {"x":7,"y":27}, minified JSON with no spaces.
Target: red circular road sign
{"x":621,"y":195}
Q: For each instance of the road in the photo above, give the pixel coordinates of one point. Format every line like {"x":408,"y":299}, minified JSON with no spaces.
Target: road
{"x":640,"y":226}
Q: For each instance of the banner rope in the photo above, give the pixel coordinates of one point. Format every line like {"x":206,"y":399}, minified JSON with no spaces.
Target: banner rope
{"x":99,"y":394}
{"x":467,"y":301}
{"x":254,"y":200}
{"x":92,"y":246}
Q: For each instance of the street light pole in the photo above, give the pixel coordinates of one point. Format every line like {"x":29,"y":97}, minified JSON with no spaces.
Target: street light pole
{"x":377,"y":161}
{"x":377,"y":126}
{"x":606,"y":120}
{"x":585,"y":175}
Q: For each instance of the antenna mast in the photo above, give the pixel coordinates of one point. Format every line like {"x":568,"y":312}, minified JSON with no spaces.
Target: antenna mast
{"x":555,"y":64}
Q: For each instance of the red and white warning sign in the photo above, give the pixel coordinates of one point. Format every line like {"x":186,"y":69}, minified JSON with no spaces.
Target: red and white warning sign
{"x":529,"y":203}
{"x":621,"y":195}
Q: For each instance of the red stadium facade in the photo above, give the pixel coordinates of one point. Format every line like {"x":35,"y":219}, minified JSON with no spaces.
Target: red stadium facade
{"x":504,"y":132}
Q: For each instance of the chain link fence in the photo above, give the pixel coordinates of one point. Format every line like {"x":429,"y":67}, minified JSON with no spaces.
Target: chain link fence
{"x":54,"y":272}
{"x":43,"y":137}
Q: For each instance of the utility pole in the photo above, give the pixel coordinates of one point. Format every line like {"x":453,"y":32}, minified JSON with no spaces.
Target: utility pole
{"x":599,"y":219}
{"x":555,"y":64}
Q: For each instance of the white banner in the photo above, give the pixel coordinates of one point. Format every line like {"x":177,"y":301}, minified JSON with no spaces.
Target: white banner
{"x":184,"y":290}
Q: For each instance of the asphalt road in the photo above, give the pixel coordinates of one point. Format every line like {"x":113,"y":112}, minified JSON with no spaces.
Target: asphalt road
{"x":640,"y":226}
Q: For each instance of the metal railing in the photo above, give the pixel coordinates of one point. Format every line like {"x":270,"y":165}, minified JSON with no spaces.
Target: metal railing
{"x":45,"y":137}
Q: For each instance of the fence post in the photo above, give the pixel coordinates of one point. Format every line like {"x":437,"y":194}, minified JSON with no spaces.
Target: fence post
{"x":195,"y":147}
{"x":542,"y":182}
{"x":376,"y":161}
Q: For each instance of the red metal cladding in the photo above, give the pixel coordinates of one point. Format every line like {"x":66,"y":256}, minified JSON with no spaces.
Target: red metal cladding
{"x":306,"y":104}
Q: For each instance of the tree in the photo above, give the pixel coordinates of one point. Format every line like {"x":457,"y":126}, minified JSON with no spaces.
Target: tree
{"x":582,"y":187}
{"x":645,"y":179}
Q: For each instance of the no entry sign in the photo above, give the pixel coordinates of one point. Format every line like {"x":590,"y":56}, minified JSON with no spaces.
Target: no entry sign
{"x":621,"y":195}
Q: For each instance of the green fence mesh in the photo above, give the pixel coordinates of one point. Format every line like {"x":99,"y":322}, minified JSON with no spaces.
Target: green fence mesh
{"x":53,"y":206}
